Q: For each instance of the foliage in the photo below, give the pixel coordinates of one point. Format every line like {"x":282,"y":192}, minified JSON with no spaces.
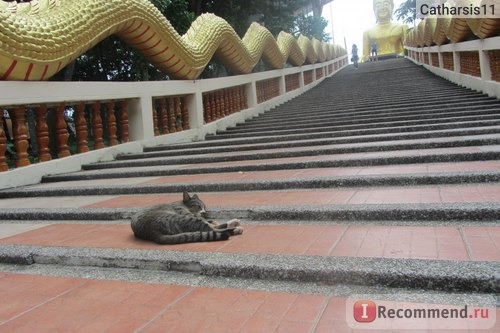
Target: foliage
{"x":407,"y":11}
{"x":275,"y":15}
{"x":311,"y":26}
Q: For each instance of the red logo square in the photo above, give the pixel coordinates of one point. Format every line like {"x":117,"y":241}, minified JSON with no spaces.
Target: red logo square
{"x":364,"y":311}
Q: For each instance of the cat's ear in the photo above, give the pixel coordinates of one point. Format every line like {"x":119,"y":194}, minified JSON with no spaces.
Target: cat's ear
{"x":195,"y":197}
{"x":186,"y":196}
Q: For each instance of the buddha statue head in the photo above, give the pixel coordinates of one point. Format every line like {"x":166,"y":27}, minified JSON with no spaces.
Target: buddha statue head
{"x":383,"y":10}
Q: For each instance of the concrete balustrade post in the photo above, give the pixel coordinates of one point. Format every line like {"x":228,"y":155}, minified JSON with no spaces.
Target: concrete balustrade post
{"x":282,"y":85}
{"x":440,"y":58}
{"x":484,"y":63}
{"x":140,"y":119}
{"x":251,"y":90}
{"x":195,"y":110}
{"x":456,"y":62}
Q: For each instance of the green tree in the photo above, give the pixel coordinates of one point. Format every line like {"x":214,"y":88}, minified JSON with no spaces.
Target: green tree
{"x":312,"y":26}
{"x":275,"y":15}
{"x":407,"y":12}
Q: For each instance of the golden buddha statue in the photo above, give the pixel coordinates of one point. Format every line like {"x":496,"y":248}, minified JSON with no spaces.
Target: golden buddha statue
{"x":385,"y":38}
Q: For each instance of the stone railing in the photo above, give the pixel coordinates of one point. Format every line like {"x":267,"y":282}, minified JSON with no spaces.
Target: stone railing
{"x":465,"y":51}
{"x":473,"y":64}
{"x":55,"y":127}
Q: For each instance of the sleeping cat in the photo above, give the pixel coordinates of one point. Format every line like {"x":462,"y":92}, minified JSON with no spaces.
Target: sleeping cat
{"x":181,"y":222}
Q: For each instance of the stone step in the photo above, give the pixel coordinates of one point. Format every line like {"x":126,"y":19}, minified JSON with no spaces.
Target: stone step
{"x":331,"y":150}
{"x":448,"y":93}
{"x":343,"y":100}
{"x":349,"y":95}
{"x":339,"y":132}
{"x":453,"y":122}
{"x":382,"y":139}
{"x":434,"y":107}
{"x":393,"y":273}
{"x":427,"y":169}
{"x":286,"y":141}
{"x":320,"y":258}
{"x":263,"y":185}
{"x":421,"y":213}
{"x":489,"y":153}
{"x":332,"y":119}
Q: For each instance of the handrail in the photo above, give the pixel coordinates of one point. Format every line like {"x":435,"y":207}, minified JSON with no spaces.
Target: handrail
{"x":112,"y":118}
{"x":443,"y":45}
{"x":473,"y":64}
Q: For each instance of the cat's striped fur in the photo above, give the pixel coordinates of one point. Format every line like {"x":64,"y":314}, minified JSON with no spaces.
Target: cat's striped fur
{"x":181,"y":222}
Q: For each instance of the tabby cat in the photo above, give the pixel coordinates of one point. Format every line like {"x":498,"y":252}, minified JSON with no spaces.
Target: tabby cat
{"x":181,"y":222}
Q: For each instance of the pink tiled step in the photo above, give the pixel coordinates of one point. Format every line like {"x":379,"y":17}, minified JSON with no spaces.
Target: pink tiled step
{"x":414,"y":242}
{"x":61,"y":304}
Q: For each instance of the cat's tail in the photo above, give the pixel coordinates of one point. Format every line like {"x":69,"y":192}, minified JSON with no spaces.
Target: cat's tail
{"x":192,"y":237}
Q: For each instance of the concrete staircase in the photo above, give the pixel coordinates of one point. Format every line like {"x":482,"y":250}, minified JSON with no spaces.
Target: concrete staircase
{"x":382,"y":178}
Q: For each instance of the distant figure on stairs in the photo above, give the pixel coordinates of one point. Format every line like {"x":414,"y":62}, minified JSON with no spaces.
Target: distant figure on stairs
{"x":388,"y":36}
{"x":374,"y":51}
{"x":355,"y":57}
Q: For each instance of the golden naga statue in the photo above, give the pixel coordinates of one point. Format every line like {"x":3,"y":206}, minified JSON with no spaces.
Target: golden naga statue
{"x":389,"y":37}
{"x":439,"y":30}
{"x":40,"y":38}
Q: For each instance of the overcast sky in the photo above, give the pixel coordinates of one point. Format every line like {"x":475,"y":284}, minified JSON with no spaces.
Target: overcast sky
{"x":350,"y":19}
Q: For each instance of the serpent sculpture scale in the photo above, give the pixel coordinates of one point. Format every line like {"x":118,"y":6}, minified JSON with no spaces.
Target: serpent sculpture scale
{"x":443,"y":29}
{"x":40,"y":38}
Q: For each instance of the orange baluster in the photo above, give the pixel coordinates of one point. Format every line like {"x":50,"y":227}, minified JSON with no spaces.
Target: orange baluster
{"x":238,"y":100}
{"x":155,"y":120}
{"x":171,"y":115}
{"x":225,"y":104}
{"x":62,"y":134}
{"x":213,"y":106}
{"x":178,"y":114}
{"x":97,"y":126}
{"x":217,"y":105}
{"x":233,"y":100}
{"x":20,"y":136}
{"x":164,"y":115}
{"x":111,"y":120}
{"x":237,"y":96}
{"x":226,"y":97}
{"x":259,"y":92}
{"x":42,"y":133}
{"x":185,"y":113}
{"x":207,"y":109}
{"x":124,"y":121}
{"x":82,"y":145}
{"x":228,"y":101}
{"x":3,"y":146}
{"x":244,"y":97}
{"x":220,"y":99}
